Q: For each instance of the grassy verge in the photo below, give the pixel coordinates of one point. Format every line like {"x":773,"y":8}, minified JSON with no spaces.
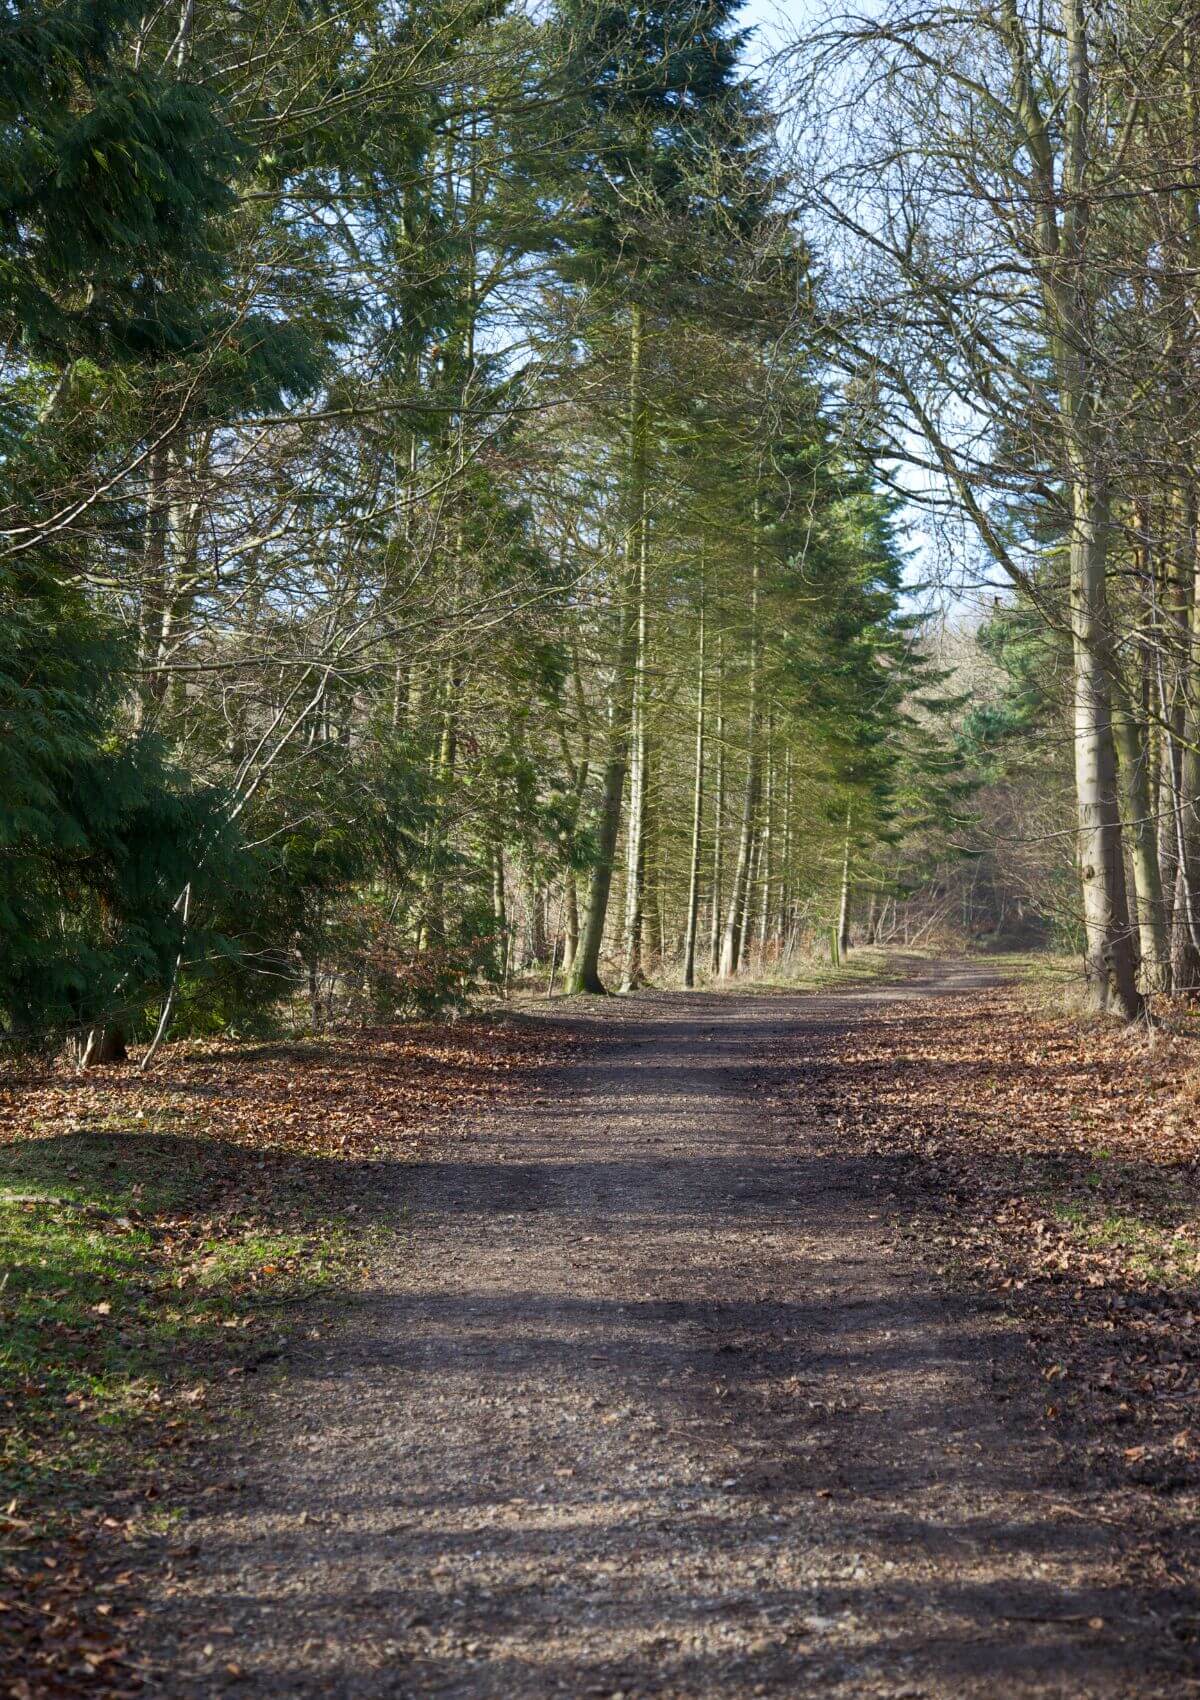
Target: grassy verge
{"x":862,"y":966}
{"x":139,"y":1272}
{"x":865,"y":965}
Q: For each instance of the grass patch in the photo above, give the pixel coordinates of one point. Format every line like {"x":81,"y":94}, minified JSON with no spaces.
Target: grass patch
{"x":865,"y":966}
{"x":1039,"y":967}
{"x":139,"y":1270}
{"x":1159,"y":1253}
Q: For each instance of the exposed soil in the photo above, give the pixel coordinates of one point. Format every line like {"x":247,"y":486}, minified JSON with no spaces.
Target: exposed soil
{"x":656,"y":1402}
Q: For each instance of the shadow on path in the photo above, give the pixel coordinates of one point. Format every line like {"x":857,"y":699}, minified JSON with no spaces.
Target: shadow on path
{"x":653,"y":1406}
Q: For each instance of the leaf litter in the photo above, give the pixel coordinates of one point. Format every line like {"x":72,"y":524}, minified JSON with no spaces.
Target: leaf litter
{"x":1050,"y":1165}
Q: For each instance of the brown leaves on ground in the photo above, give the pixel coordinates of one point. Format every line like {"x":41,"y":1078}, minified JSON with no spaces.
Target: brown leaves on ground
{"x":1055,"y":1164}
{"x":357,"y":1094}
{"x":60,"y":1636}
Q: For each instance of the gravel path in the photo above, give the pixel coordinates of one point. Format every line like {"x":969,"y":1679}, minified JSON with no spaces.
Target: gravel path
{"x":655,"y":1405}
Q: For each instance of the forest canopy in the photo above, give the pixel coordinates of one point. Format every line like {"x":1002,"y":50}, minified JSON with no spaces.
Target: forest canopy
{"x":458,"y":475}
{"x":429,"y":544}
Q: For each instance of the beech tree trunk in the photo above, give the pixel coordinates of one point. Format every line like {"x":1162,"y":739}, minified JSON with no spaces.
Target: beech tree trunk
{"x":1109,"y":963}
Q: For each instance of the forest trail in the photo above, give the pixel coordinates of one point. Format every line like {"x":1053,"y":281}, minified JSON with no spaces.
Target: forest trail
{"x":657,"y":1404}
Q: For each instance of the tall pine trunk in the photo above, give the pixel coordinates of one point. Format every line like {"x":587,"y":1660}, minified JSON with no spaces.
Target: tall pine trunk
{"x":1143,"y":842}
{"x":843,"y":926}
{"x":768,"y":845}
{"x":585,"y":970}
{"x":639,"y":802}
{"x":735,"y":921}
{"x":693,"y":898}
{"x":432,"y":930}
{"x":714,"y":942}
{"x":1185,"y":942}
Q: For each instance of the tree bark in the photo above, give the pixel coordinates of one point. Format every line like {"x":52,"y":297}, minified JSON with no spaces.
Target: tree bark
{"x":101,"y":1045}
{"x":1185,"y":940}
{"x":731,"y":945}
{"x":1109,"y":964}
{"x":585,"y":970}
{"x":767,"y":847}
{"x":499,"y":901}
{"x":714,"y":943}
{"x":843,"y":928}
{"x":1143,"y":841}
{"x":570,"y":921}
{"x":693,"y":899}
{"x":433,"y":919}
{"x":1068,"y":283}
{"x":639,"y":796}
{"x":535,"y":897}
{"x":154,"y":568}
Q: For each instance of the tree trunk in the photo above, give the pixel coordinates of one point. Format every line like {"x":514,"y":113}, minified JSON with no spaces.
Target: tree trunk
{"x":636,"y":865}
{"x":1109,"y":963}
{"x":101,"y":1045}
{"x":585,"y":970}
{"x":745,"y":955}
{"x":499,"y":902}
{"x":1167,"y":808}
{"x":1185,"y":939}
{"x":154,"y":568}
{"x":731,"y":946}
{"x":639,"y":794}
{"x":433,"y":919}
{"x":764,"y":916}
{"x":714,"y":942}
{"x":535,"y":896}
{"x":843,"y":927}
{"x":783,"y":923}
{"x":1143,"y":840}
{"x":570,"y":921}
{"x":693,"y":899}
{"x":1067,"y":276}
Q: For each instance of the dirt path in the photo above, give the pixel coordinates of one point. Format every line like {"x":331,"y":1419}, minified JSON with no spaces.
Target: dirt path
{"x":656,"y":1406}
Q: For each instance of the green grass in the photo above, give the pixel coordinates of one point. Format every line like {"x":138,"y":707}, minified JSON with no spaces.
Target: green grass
{"x":137,"y":1270}
{"x":1039,"y":967}
{"x":865,"y":966}
{"x":1159,"y":1252}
